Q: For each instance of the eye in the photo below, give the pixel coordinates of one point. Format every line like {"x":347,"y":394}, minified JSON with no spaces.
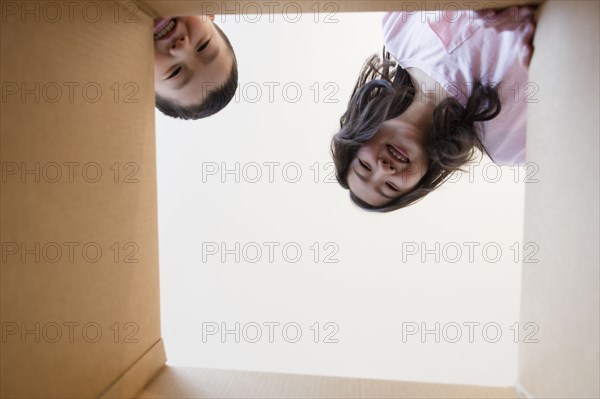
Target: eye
{"x":392,"y":186}
{"x":364,"y":164}
{"x":203,"y":46}
{"x":175,"y":73}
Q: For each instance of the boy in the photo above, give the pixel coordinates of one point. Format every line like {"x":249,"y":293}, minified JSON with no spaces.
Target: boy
{"x":195,"y":69}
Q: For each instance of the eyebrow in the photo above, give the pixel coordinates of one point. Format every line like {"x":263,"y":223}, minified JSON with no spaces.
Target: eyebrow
{"x":377,"y":189}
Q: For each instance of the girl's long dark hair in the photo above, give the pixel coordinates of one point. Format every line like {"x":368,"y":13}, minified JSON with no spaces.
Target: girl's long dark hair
{"x":385,"y":90}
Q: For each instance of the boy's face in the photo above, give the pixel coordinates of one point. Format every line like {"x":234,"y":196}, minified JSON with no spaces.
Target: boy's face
{"x":191,"y":59}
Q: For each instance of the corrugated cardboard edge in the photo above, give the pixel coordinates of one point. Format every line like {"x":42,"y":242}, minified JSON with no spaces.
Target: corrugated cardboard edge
{"x":140,"y":373}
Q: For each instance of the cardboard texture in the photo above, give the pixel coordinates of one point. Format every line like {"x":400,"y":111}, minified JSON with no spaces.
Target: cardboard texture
{"x":560,"y":293}
{"x":78,"y":163}
{"x":183,"y":382}
{"x":191,"y":7}
{"x":79,"y":293}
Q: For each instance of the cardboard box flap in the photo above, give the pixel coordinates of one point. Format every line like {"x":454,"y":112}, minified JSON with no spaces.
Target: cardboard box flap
{"x":560,"y":293}
{"x":184,"y":7}
{"x":183,"y":382}
{"x":79,"y":273}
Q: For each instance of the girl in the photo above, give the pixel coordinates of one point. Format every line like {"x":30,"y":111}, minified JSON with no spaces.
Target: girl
{"x":456,"y":83}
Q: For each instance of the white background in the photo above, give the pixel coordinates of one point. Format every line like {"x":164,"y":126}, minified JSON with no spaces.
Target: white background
{"x":376,"y":287}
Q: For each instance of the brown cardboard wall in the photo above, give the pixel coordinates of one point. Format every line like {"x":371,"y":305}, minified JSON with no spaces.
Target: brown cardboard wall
{"x":185,"y":382}
{"x":78,"y":174}
{"x":560,"y":293}
{"x":185,"y":7}
{"x":79,"y":273}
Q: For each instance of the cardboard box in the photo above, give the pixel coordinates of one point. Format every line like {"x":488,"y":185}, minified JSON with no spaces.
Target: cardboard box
{"x":80,"y":314}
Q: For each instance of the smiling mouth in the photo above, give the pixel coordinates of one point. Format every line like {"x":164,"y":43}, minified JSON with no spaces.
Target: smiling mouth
{"x":164,"y":29}
{"x":397,"y":154}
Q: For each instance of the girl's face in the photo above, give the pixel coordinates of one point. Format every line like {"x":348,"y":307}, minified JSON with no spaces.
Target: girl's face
{"x":391,"y":163}
{"x":191,"y":58}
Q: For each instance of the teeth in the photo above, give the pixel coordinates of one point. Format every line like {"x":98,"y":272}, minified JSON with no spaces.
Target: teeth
{"x":397,"y":155}
{"x":166,"y":29}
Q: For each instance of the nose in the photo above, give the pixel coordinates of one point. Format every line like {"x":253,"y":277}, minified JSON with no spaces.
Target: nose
{"x":382,"y":170}
{"x":386,"y":165}
{"x":178,"y":44}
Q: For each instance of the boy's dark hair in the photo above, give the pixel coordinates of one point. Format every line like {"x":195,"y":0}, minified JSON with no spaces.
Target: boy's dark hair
{"x":215,"y":101}
{"x":385,"y":90}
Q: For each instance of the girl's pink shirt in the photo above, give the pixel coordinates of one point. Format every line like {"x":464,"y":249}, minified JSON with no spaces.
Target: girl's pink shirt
{"x":457,"y":48}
